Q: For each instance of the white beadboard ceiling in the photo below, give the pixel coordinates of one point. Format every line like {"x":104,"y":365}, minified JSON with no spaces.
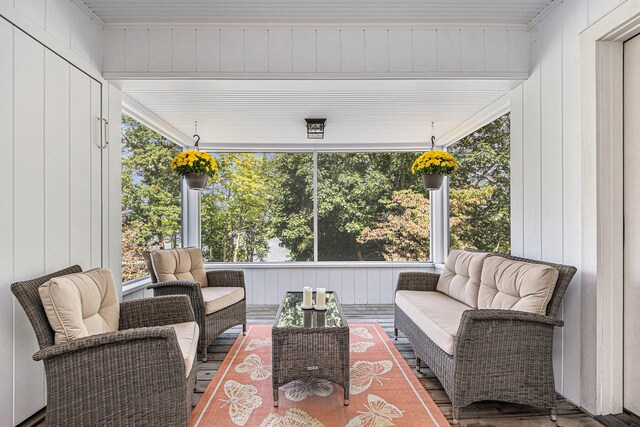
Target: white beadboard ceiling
{"x":361,"y":113}
{"x":318,"y":11}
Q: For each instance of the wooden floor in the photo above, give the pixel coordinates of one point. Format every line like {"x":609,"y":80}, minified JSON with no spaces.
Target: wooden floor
{"x":480,"y":414}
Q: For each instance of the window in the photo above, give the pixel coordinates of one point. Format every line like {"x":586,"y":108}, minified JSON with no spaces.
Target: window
{"x":260,"y":207}
{"x":151,"y":196}
{"x":371,"y":208}
{"x":479,"y":198}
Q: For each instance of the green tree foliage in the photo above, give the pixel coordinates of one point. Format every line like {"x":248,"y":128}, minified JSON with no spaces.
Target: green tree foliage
{"x":235,"y":209}
{"x":151,"y":203}
{"x":480,"y":190}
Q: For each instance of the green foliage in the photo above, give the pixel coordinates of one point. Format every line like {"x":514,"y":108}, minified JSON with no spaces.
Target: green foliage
{"x":480,"y":190}
{"x":151,"y":202}
{"x":235,"y":220}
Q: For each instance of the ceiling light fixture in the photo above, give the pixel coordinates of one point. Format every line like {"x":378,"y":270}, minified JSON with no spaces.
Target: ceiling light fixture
{"x":315,"y":128}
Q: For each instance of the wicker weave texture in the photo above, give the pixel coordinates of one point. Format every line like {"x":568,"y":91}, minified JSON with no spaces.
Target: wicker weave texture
{"x":213,"y":324}
{"x":109,"y":379}
{"x":316,"y":352}
{"x":500,"y":355}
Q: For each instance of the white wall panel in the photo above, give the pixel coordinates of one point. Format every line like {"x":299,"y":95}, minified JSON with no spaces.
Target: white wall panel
{"x":496,"y":50}
{"x":550,"y":195}
{"x":208,"y":50}
{"x":518,"y":57}
{"x":472,"y":48}
{"x":95,"y":174}
{"x":280,"y":51}
{"x":448,"y":50}
{"x":28,"y":200}
{"x":80,"y":29}
{"x":328,"y":47}
{"x":34,"y":9}
{"x":352,"y":51}
{"x":80,"y":170}
{"x":232,"y":50}
{"x":137,"y":50}
{"x":256,"y":51}
{"x":114,"y":50}
{"x":425,"y":50}
{"x":400,"y":50}
{"x":376,"y":51}
{"x":58,"y":19}
{"x":6,"y":219}
{"x":56,"y":166}
{"x":304,"y":52}
{"x":160,"y":58}
{"x":184,"y":50}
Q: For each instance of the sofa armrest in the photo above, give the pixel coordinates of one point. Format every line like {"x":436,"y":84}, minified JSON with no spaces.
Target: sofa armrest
{"x":504,"y":332}
{"x":131,"y":337}
{"x":226,"y":278}
{"x":417,"y":281}
{"x":158,"y":311}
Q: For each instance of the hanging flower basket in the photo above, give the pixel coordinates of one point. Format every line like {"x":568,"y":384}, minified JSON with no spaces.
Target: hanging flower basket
{"x":433,"y":166}
{"x":432,"y":181}
{"x":196,"y":181}
{"x":196,"y":167}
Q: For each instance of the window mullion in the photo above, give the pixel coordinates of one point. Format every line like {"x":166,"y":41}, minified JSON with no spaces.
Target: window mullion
{"x":315,"y":206}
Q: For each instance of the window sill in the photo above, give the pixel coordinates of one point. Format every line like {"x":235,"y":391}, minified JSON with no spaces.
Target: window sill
{"x":319,"y":264}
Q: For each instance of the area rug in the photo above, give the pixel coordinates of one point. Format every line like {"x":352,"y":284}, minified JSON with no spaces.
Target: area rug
{"x":384,"y":391}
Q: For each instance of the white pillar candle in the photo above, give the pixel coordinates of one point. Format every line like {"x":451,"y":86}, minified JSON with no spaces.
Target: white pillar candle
{"x":321,"y":299}
{"x":307,"y":297}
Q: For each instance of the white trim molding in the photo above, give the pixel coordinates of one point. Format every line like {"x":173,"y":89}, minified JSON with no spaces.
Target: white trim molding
{"x":602,"y":199}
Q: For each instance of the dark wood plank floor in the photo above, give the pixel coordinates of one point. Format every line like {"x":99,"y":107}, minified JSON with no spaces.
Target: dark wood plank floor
{"x":480,"y":414}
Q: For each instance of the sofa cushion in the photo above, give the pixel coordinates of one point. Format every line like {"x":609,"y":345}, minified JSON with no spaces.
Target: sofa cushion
{"x":435,"y":313}
{"x":515,"y":285}
{"x":81,"y":304}
{"x":218,"y":297}
{"x":187,"y":334}
{"x":461,"y":276}
{"x":179,"y":264}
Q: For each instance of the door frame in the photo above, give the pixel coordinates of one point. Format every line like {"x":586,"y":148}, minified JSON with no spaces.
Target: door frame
{"x":602,"y":242}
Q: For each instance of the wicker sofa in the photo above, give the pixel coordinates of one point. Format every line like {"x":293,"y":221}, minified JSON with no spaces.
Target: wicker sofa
{"x":217,"y":297}
{"x":142,"y":373}
{"x":502,"y":354}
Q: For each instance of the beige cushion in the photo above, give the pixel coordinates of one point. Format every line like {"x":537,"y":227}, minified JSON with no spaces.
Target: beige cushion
{"x":461,"y":276}
{"x":218,"y":297}
{"x":435,"y":313}
{"x":187,"y":334}
{"x":179,"y":264}
{"x":81,"y":304}
{"x":514,"y":285}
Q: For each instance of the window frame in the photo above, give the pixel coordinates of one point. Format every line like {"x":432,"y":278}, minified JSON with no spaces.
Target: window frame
{"x":439,"y":224}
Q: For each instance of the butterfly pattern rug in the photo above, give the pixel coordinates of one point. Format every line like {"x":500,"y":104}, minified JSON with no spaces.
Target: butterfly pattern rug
{"x":383,"y":393}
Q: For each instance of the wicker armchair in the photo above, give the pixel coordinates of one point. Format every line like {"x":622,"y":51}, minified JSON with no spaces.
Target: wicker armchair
{"x":110,"y":379}
{"x":211,"y":324}
{"x":502,"y":355}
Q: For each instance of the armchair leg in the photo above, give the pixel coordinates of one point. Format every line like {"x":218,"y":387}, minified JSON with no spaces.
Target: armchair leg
{"x":395,"y":334}
{"x":204,"y":353}
{"x":554,"y":414}
{"x":456,"y":414}
{"x":417,"y":364}
{"x":244,"y":329}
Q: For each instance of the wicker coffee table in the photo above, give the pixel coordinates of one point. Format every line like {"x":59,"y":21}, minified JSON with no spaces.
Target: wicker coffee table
{"x":310,"y":344}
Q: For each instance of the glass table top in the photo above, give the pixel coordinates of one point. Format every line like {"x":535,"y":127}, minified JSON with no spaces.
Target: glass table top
{"x":292,"y":316}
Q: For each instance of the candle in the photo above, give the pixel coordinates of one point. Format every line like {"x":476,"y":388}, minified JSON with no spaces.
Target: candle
{"x":321,"y":298}
{"x":307,"y":297}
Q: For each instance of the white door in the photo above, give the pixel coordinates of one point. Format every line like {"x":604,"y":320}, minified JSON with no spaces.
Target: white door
{"x":632,"y":225}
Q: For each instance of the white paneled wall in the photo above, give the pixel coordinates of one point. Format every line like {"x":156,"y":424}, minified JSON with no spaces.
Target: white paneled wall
{"x":68,"y":22}
{"x":546,"y":165}
{"x":50,"y":187}
{"x":205,"y":50}
{"x":354,"y":285}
